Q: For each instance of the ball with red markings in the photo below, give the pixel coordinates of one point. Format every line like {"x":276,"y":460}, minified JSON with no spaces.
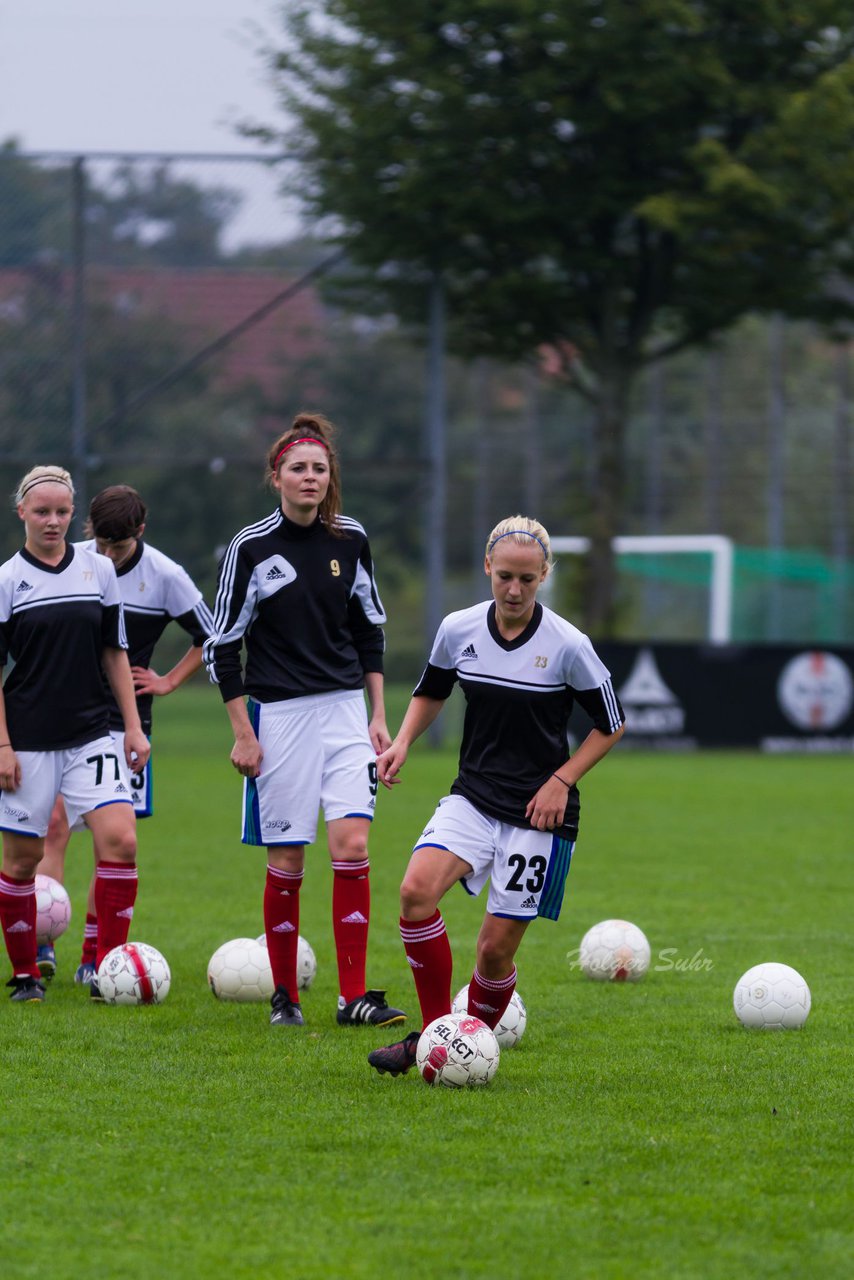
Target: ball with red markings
{"x":512,"y":1023}
{"x":614,"y":951}
{"x":134,"y":973}
{"x":53,"y":909}
{"x":457,"y":1051}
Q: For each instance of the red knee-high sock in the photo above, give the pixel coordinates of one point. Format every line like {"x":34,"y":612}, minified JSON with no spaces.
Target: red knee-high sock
{"x":89,"y":953}
{"x":429,"y":954}
{"x":281,"y":925}
{"x":487,"y":999}
{"x":351,"y":913}
{"x":115,"y":893}
{"x":18,"y":917}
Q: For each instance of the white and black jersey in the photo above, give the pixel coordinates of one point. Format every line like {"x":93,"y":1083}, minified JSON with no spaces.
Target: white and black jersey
{"x":154,"y":591}
{"x":306,"y":604}
{"x":54,"y":622}
{"x":519,"y":694}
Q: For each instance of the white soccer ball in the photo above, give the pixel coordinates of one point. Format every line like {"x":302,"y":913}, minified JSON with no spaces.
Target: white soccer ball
{"x":614,"y":951}
{"x":771,"y":996}
{"x":511,"y":1026}
{"x":306,"y":961}
{"x":457,"y":1051}
{"x":53,"y":909}
{"x":240,"y":970}
{"x":134,"y":973}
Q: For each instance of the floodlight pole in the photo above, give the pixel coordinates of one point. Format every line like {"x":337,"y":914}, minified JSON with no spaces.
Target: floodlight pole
{"x":79,"y":444}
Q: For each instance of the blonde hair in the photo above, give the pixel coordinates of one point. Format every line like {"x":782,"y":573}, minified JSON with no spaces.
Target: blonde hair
{"x":43,"y":475}
{"x":521,"y":529}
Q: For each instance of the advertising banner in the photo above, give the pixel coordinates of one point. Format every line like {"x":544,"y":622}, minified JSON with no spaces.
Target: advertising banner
{"x":777,"y":698}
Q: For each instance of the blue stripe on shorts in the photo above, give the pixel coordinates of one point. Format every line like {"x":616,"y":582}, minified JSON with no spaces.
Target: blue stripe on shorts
{"x":551,"y":899}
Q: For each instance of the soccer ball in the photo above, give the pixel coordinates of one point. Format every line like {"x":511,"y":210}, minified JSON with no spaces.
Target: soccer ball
{"x":240,"y":970}
{"x":134,"y":973}
{"x":457,"y":1051}
{"x":511,"y":1026}
{"x":614,"y":951}
{"x":306,"y":962}
{"x":772,"y":996}
{"x":53,"y":909}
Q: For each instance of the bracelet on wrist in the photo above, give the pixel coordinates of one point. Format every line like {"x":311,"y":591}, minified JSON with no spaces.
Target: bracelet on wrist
{"x":568,"y":785}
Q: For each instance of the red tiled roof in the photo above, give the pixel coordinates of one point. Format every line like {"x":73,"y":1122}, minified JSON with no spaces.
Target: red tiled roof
{"x":205,"y":304}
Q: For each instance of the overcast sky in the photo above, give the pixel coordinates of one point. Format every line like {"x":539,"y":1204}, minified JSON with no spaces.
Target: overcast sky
{"x":142,"y":75}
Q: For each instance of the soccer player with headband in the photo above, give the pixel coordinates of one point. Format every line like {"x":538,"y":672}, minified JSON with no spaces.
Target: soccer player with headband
{"x":511,"y":818}
{"x":297,"y":590}
{"x":61,"y":620}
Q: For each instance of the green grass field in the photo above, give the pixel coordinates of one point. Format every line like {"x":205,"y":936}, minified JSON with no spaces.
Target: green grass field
{"x":637,"y":1131}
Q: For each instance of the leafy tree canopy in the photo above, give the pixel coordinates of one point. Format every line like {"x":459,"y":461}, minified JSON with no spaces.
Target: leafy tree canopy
{"x":627,"y":175}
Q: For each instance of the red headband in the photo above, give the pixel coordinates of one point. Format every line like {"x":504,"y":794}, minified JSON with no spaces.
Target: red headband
{"x":302,"y":440}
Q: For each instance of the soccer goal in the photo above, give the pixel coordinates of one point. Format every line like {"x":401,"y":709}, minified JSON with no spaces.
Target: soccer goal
{"x":719,"y":548}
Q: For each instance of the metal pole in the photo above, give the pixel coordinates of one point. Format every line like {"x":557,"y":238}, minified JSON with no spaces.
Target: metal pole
{"x":79,"y":443}
{"x":435,"y":450}
{"x":481,"y":524}
{"x":776,"y":467}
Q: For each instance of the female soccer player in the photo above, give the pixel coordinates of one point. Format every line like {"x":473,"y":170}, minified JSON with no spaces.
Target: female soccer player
{"x":61,"y":621}
{"x":512,"y":815}
{"x":298,"y":590}
{"x":154,"y":591}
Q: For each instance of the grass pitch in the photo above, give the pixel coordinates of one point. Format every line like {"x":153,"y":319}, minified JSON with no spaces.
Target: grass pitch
{"x":637,"y":1131}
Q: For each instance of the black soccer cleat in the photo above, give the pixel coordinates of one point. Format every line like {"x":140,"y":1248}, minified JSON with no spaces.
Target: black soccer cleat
{"x":26,"y":988}
{"x":95,"y":990}
{"x":285,"y":1011}
{"x":370,"y":1009}
{"x":396,"y":1059}
{"x":46,"y":960}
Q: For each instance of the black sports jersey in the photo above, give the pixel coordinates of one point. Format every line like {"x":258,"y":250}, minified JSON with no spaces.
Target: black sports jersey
{"x":519,"y":694}
{"x":154,"y":591}
{"x":54,"y":622}
{"x":306,"y":605}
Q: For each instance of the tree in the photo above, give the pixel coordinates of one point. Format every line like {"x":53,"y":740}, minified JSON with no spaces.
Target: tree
{"x":619,"y":179}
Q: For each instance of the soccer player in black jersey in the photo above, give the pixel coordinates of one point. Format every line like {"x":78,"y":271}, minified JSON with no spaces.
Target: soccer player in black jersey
{"x":512,"y":816}
{"x":61,"y":621}
{"x":297,"y":589}
{"x":155,"y":591}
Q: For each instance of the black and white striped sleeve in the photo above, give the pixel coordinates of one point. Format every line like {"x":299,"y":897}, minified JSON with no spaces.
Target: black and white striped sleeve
{"x":590,"y":682}
{"x":233,"y":611}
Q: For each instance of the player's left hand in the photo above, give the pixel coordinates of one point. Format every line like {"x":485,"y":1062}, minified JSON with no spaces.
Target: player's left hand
{"x":146,"y":680}
{"x":547,"y":808}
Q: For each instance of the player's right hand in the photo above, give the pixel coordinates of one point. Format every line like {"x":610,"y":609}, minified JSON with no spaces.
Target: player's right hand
{"x":246,"y":756}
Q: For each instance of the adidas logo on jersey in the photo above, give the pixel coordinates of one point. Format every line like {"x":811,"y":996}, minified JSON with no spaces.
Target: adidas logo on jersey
{"x":275,"y":573}
{"x":355,"y":917}
{"x":20,"y":926}
{"x":284,"y":927}
{"x":468,"y":652}
{"x":120,"y":789}
{"x":23,"y":585}
{"x":529,"y":903}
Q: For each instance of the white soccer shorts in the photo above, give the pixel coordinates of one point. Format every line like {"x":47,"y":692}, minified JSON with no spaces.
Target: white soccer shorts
{"x":87,"y":777}
{"x":527,"y":869}
{"x":317,"y":754}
